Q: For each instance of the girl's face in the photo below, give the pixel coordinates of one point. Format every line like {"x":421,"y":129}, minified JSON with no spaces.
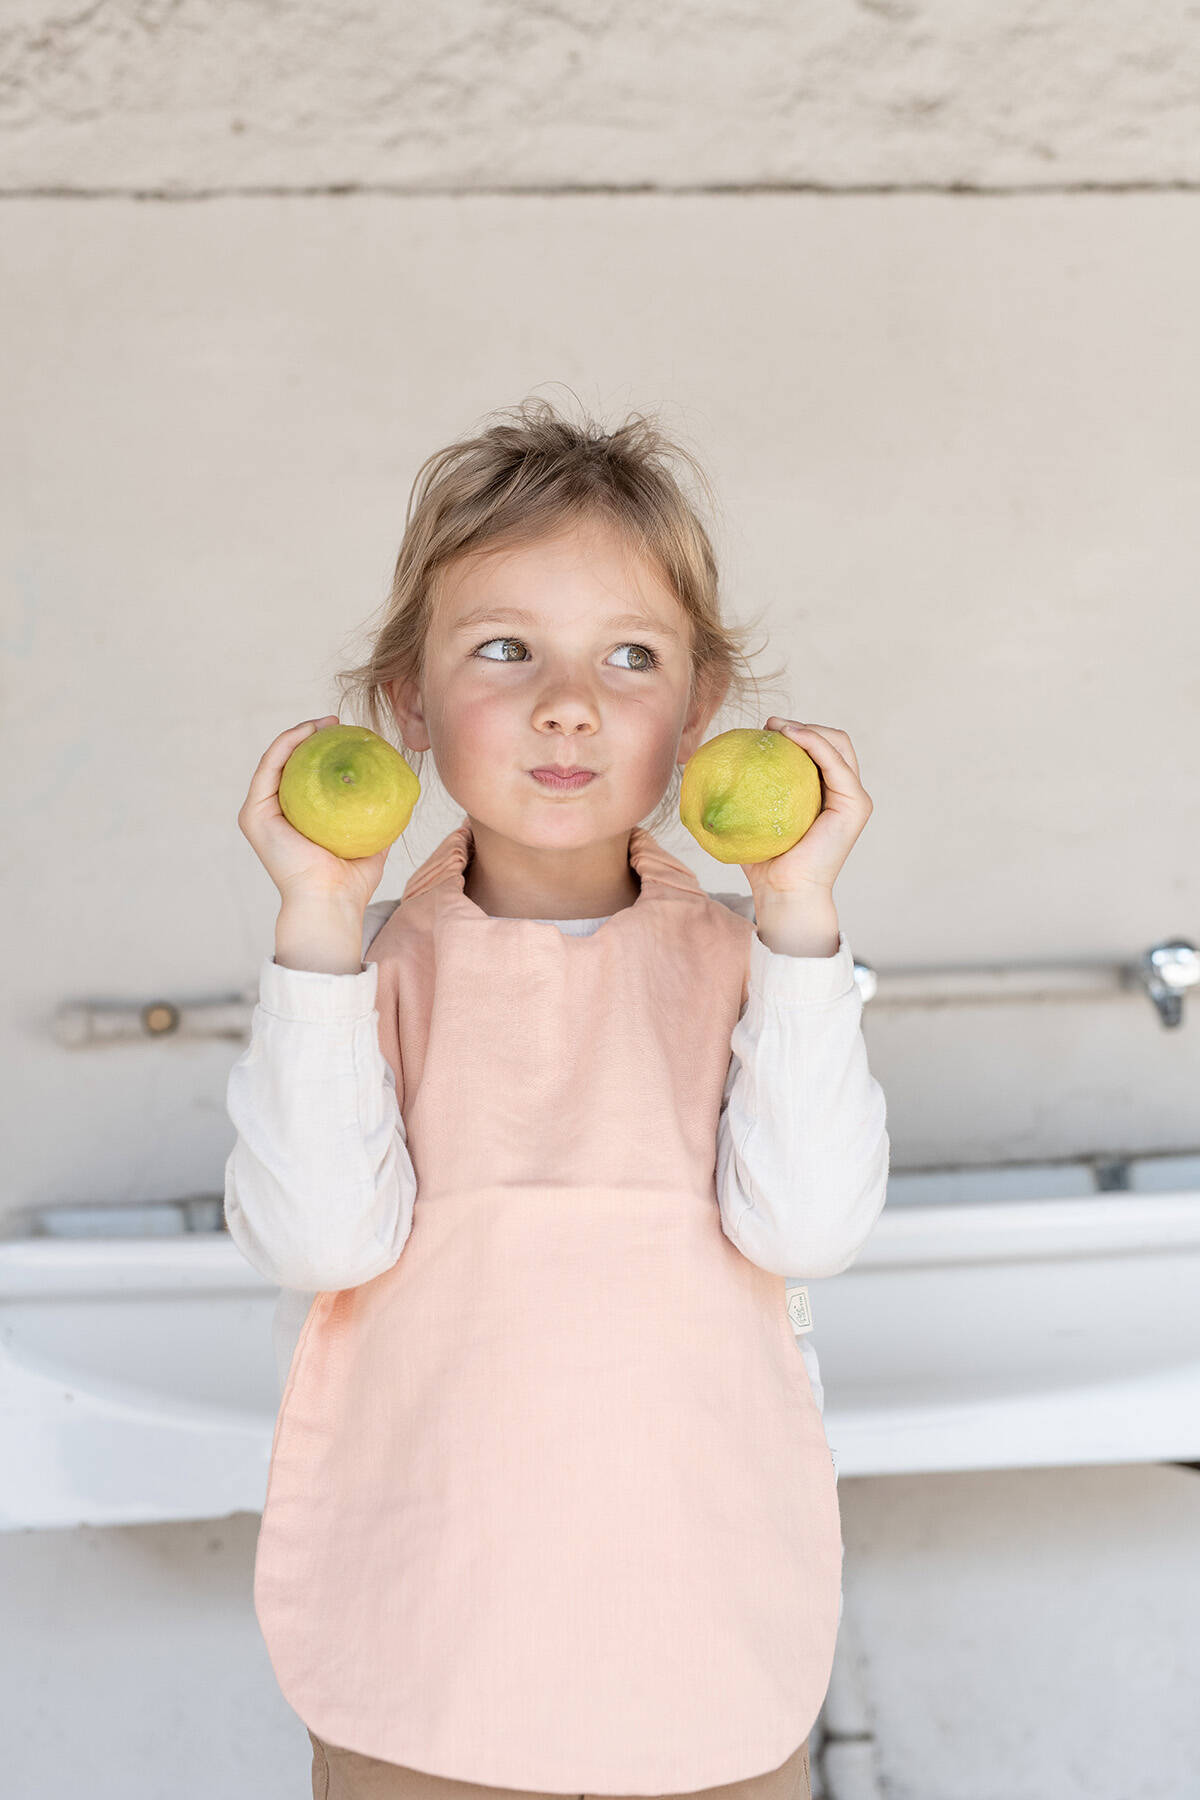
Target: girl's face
{"x":566,"y":650}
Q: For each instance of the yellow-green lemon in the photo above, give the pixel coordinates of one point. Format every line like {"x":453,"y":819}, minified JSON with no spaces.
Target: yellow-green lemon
{"x":749,"y":795}
{"x":348,"y":790}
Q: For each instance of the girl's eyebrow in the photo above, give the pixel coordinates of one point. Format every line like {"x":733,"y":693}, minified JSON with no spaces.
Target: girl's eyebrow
{"x":517,"y":615}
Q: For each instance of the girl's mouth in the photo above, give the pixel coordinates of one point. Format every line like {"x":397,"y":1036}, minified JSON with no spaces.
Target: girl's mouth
{"x":552,"y":778}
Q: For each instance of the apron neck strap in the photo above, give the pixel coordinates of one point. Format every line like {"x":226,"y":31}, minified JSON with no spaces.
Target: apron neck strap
{"x":447,"y":864}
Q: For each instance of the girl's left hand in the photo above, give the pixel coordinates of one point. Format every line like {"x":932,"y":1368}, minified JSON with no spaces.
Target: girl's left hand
{"x":816,"y":860}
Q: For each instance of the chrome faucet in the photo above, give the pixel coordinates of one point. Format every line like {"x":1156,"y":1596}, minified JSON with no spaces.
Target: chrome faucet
{"x":1166,"y":972}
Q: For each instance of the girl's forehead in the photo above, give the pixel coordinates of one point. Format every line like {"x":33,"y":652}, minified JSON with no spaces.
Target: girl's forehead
{"x":582,"y":543}
{"x":530,"y":575}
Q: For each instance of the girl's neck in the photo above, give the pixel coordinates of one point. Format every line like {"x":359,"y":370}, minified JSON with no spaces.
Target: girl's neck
{"x":509,"y":880}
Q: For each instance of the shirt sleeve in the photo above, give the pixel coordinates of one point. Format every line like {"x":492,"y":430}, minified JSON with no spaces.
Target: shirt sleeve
{"x":802,"y":1145}
{"x":319,"y":1185}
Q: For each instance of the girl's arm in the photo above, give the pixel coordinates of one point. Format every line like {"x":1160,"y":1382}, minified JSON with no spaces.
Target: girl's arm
{"x":319,"y":1186}
{"x":802,"y":1148}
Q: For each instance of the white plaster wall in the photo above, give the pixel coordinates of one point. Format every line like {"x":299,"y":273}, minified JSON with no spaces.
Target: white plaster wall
{"x":954,"y":442}
{"x":954,"y":438}
{"x":187,"y":96}
{"x":1028,"y":1633}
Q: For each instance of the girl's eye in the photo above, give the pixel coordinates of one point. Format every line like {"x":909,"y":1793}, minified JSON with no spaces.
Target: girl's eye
{"x":652,"y":659}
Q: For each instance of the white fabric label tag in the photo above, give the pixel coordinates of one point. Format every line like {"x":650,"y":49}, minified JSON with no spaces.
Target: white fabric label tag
{"x":798,"y":1309}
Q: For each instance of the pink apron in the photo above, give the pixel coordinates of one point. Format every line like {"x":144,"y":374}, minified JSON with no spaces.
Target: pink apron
{"x":550,"y":1502}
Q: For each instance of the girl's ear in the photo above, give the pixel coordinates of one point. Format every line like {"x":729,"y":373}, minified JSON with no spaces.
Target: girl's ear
{"x":404,"y":698}
{"x":706,"y":702}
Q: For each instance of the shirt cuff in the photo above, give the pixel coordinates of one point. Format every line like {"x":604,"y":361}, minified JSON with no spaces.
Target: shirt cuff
{"x":315,"y":994}
{"x":783,"y":977}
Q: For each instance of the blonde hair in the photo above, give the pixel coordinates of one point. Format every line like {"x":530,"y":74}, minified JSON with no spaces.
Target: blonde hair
{"x":529,"y":475}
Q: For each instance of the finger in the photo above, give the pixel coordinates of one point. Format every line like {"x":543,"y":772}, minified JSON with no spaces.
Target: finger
{"x":265,"y":780}
{"x":828,"y":732}
{"x":835,"y":736}
{"x":826,"y":755}
{"x":831,"y":731}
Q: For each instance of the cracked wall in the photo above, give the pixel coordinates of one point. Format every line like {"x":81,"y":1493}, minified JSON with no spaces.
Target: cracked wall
{"x":185,"y":96}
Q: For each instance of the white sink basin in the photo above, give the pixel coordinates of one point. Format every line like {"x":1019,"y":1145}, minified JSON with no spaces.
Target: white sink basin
{"x":996,"y":1319}
{"x":136,"y":1380}
{"x":981,"y":1333}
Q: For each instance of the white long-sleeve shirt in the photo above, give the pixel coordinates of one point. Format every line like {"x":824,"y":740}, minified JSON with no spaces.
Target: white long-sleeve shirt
{"x":320,"y":1188}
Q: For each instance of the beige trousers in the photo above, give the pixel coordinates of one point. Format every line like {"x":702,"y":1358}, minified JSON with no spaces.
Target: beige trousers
{"x":345,"y":1775}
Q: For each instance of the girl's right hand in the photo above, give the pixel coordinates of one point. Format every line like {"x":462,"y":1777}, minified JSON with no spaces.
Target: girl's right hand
{"x":300,"y":869}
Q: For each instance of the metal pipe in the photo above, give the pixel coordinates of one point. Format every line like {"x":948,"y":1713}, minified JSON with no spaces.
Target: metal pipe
{"x":1164,"y":973}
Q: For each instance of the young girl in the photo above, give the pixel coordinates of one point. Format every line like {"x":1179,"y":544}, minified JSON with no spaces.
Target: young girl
{"x":551,"y":1508}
